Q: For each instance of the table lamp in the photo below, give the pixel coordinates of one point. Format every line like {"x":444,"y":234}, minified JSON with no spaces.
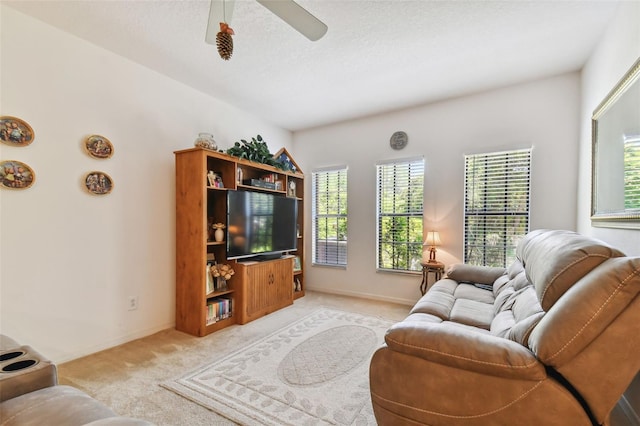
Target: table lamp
{"x":432,"y":240}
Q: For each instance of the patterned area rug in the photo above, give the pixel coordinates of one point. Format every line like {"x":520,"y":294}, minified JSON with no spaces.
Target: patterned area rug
{"x":312,"y":372}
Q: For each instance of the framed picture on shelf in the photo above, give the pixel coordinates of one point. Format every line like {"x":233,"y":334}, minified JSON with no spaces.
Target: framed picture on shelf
{"x":214,"y":179}
{"x":291,"y":192}
{"x":297,"y":266}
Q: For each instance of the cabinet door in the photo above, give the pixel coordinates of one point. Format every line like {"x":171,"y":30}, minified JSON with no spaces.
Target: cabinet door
{"x":282,"y":287}
{"x":268,"y":288}
{"x":259,"y":279}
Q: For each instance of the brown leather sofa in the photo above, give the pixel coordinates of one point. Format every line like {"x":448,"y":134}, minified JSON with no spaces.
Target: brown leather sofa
{"x":30,"y":394}
{"x":551,"y":340}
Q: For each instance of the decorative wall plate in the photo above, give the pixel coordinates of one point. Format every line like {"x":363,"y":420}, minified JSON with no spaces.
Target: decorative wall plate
{"x":98,"y":183}
{"x":15,"y":132}
{"x":98,"y":146}
{"x":16,"y":175}
{"x":398,"y":140}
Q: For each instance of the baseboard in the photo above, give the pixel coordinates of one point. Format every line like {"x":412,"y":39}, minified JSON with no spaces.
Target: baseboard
{"x":362,"y":295}
{"x":88,"y":350}
{"x":634,"y":418}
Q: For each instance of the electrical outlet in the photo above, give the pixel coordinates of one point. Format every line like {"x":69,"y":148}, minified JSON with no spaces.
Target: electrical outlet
{"x":133,"y":303}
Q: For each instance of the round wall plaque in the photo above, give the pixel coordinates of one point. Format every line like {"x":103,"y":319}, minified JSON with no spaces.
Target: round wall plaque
{"x":398,"y":140}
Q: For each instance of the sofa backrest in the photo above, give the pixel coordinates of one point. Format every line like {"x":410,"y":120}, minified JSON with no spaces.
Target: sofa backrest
{"x":554,"y":260}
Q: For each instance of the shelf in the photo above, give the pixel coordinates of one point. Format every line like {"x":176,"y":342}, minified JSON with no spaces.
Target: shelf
{"x":215,"y":294}
{"x":216,"y":243}
{"x":260,"y":189}
{"x":219,"y":325}
{"x":214,"y":188}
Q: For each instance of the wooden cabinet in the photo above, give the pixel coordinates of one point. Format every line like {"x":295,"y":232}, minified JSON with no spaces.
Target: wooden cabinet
{"x":254,"y":290}
{"x":265,"y":287}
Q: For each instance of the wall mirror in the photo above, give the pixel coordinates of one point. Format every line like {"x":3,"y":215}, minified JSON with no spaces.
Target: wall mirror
{"x":615,"y":199}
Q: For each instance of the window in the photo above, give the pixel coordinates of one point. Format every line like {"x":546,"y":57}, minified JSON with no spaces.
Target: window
{"x":632,"y":172}
{"x":399,"y":215}
{"x":329,"y":207}
{"x":496,"y":206}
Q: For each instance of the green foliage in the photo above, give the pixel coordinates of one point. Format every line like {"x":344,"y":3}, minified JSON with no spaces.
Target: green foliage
{"x":256,"y":150}
{"x":632,"y":175}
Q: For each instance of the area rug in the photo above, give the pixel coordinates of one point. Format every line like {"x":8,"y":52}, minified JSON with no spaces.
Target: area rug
{"x":311,"y":372}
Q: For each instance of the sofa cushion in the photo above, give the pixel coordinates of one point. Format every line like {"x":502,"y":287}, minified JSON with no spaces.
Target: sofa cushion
{"x":462,"y":303}
{"x":472,"y":312}
{"x":555,"y":260}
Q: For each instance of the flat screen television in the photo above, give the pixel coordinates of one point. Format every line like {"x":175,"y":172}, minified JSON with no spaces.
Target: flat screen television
{"x":260,"y":224}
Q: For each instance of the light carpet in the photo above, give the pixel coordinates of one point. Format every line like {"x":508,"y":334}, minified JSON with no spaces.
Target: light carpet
{"x":311,"y":372}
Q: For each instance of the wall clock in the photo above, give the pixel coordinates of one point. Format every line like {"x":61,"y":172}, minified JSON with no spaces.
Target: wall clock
{"x":398,"y":140}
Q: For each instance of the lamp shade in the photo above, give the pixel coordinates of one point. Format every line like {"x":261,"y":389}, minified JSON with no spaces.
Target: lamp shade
{"x":433,"y":239}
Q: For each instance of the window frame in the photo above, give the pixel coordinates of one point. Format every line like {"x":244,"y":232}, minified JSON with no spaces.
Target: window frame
{"x":341,"y":244}
{"x":413,"y":215}
{"x":508,"y":214}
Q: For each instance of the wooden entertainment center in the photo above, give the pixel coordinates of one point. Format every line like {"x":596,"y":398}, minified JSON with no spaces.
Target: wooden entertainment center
{"x":257,"y":288}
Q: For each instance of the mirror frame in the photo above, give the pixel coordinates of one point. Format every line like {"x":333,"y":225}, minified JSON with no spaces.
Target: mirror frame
{"x":625,"y":218}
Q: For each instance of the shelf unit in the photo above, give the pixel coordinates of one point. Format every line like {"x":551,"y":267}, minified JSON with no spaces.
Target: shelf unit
{"x":198,"y":205}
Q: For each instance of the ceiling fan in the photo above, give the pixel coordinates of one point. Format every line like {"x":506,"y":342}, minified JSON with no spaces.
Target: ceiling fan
{"x":289,"y":11}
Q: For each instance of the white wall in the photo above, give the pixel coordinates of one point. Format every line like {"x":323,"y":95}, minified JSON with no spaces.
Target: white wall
{"x":614,"y":56}
{"x":616,"y":53}
{"x":69,"y":260}
{"x":542,"y":114}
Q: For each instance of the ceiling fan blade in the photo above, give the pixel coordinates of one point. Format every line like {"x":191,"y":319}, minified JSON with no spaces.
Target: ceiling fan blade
{"x":296,"y":16}
{"x":219,"y":11}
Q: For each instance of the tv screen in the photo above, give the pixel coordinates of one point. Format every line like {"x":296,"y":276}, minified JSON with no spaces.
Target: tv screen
{"x":260,"y":224}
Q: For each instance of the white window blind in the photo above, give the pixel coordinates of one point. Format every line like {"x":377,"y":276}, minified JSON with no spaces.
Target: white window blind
{"x":399,"y":198}
{"x":330,"y":216}
{"x":496,"y":206}
{"x":632,"y":173}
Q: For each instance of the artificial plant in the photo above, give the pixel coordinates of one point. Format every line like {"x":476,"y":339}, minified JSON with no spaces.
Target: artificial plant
{"x":258,"y":151}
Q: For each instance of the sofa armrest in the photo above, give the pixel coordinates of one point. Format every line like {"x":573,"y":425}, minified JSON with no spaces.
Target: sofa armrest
{"x":461,"y":272}
{"x":24,"y":370}
{"x":462,"y":347}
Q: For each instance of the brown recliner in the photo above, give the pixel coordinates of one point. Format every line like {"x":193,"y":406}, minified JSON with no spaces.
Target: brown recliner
{"x":551,"y":340}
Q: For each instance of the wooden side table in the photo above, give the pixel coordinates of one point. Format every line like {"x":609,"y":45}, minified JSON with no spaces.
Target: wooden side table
{"x":436,"y":267}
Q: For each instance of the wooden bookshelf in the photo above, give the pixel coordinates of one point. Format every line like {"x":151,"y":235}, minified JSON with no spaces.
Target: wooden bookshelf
{"x":196,"y":203}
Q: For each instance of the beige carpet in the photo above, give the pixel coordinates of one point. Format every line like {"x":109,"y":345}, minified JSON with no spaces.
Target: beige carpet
{"x":128,"y":377}
{"x":314,"y":371}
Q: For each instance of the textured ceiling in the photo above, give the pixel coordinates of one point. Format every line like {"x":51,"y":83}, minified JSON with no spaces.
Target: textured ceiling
{"x":376,"y":57}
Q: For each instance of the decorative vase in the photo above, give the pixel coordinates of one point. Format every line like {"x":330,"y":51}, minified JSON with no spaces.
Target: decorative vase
{"x":219,"y":234}
{"x":221,"y":284}
{"x":205,"y":140}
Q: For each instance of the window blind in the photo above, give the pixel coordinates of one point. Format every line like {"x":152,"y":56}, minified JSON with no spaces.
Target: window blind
{"x":496,"y":208}
{"x":400,"y":195}
{"x":329,"y":206}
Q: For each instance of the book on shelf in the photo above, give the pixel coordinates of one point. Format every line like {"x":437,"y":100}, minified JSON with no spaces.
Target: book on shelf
{"x":219,"y":309}
{"x":211,"y":283}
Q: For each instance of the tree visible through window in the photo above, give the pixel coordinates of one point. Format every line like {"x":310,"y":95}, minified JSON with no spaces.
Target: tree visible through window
{"x":330,"y":216}
{"x":399,"y":214}
{"x":496,"y":206}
